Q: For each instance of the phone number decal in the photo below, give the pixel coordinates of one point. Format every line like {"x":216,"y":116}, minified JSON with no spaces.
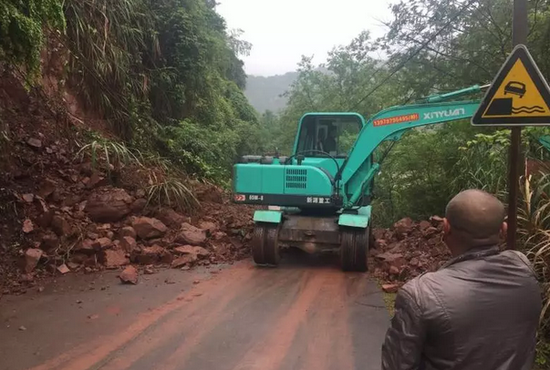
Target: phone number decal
{"x":396,"y":119}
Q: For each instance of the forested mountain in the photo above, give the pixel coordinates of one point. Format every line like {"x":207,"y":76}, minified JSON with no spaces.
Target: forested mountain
{"x":266,"y":93}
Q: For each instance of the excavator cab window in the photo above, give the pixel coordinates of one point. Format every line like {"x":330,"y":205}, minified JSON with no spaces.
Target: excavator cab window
{"x":332,"y":134}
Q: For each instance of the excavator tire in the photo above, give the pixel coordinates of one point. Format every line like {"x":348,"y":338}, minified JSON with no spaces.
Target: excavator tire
{"x":354,"y":248}
{"x":265,"y":245}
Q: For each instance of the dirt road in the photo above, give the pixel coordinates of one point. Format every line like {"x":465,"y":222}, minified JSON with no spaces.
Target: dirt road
{"x":306,"y":314}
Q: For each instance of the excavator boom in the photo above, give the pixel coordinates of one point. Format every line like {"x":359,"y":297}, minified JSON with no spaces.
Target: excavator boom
{"x":391,"y":124}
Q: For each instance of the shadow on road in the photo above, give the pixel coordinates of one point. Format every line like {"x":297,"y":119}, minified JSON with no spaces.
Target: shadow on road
{"x":295,"y":258}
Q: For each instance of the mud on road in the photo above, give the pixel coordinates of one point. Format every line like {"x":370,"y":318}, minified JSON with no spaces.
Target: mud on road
{"x":306,"y":314}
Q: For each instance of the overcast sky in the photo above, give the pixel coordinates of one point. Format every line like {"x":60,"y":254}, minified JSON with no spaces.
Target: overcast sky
{"x":281,"y":31}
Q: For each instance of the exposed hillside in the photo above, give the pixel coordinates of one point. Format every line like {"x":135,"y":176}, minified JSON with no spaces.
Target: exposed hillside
{"x":115,"y":118}
{"x":265,"y":93}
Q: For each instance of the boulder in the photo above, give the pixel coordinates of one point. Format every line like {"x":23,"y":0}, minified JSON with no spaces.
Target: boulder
{"x":138,"y":205}
{"x":34,"y":142}
{"x":436,"y":219}
{"x":149,"y":255}
{"x":112,"y":258}
{"x":29,"y":198}
{"x":96,"y":180}
{"x":201,"y":252}
{"x":209,"y":193}
{"x":403,"y":226}
{"x":423,"y":225}
{"x":209,"y":226}
{"x":394,"y":270}
{"x":219,"y":235}
{"x":60,"y":226}
{"x":49,"y":242}
{"x":45,"y":219}
{"x":190,"y":234}
{"x":184,"y":260}
{"x":47,"y":188}
{"x":32,"y":256}
{"x":129,"y":275}
{"x":103,"y":243}
{"x":149,"y":228}
{"x":128,"y":231}
{"x":166,"y":257}
{"x":128,"y":244}
{"x":391,"y":259}
{"x":28,"y":227}
{"x":170,"y":217}
{"x":186,"y":249}
{"x":63,"y":269}
{"x":430,"y":231}
{"x":87,"y":246}
{"x":108,"y":205}
{"x":380,"y":243}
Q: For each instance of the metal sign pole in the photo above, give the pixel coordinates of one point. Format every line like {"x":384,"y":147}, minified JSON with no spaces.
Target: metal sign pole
{"x":519,"y":36}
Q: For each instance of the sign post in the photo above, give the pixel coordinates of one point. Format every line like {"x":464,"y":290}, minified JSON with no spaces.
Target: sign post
{"x":518,"y":96}
{"x":519,"y":37}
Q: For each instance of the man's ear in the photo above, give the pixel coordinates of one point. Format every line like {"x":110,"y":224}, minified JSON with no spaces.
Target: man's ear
{"x":504,"y":228}
{"x":446,"y":226}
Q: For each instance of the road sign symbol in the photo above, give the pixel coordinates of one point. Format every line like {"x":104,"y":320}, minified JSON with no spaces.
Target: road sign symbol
{"x":518,"y":96}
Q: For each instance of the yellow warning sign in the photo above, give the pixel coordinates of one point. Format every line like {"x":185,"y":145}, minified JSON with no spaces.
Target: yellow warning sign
{"x":518,"y":96}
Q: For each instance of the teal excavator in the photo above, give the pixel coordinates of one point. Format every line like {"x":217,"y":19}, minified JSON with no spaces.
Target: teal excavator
{"x":318,"y":199}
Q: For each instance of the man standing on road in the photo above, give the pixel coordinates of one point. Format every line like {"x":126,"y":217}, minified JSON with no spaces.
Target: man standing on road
{"x":479,"y":311}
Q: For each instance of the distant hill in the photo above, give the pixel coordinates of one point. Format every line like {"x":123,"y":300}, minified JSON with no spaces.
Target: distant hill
{"x":264,"y":92}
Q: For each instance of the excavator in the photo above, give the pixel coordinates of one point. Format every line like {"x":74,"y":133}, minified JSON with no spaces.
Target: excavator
{"x":318,"y":199}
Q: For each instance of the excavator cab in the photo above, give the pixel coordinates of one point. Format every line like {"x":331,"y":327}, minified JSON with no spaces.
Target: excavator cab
{"x":324,"y":140}
{"x":306,"y":179}
{"x":327,"y":134}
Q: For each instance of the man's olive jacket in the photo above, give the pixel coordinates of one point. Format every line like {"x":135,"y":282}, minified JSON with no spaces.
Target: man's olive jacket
{"x":480,"y":311}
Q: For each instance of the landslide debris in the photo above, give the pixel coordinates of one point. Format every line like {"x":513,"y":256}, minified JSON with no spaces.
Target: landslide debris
{"x":61,"y":214}
{"x":407,"y":250}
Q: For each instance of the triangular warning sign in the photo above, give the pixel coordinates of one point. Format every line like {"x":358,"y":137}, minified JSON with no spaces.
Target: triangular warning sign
{"x":518,"y":96}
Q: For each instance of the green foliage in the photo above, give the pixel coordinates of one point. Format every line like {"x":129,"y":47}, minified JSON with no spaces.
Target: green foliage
{"x":106,"y":40}
{"x":417,"y":176}
{"x":170,"y":192}
{"x":167,"y":76}
{"x":21,"y":30}
{"x":107,"y":155}
{"x":534,"y":223}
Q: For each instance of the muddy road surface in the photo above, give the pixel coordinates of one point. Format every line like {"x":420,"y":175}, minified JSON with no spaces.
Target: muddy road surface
{"x":305,"y":314}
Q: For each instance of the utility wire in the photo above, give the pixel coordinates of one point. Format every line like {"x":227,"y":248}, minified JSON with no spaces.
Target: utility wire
{"x":415,"y":53}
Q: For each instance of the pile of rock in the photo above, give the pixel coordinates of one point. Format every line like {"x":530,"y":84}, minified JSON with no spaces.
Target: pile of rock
{"x":407,"y":250}
{"x":111,"y":229}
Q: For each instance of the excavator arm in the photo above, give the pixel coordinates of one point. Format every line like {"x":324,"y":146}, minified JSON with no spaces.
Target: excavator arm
{"x":357,"y":172}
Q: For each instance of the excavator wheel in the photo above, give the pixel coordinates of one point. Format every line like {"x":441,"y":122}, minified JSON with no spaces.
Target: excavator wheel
{"x":265,"y":244}
{"x":354,"y":248}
